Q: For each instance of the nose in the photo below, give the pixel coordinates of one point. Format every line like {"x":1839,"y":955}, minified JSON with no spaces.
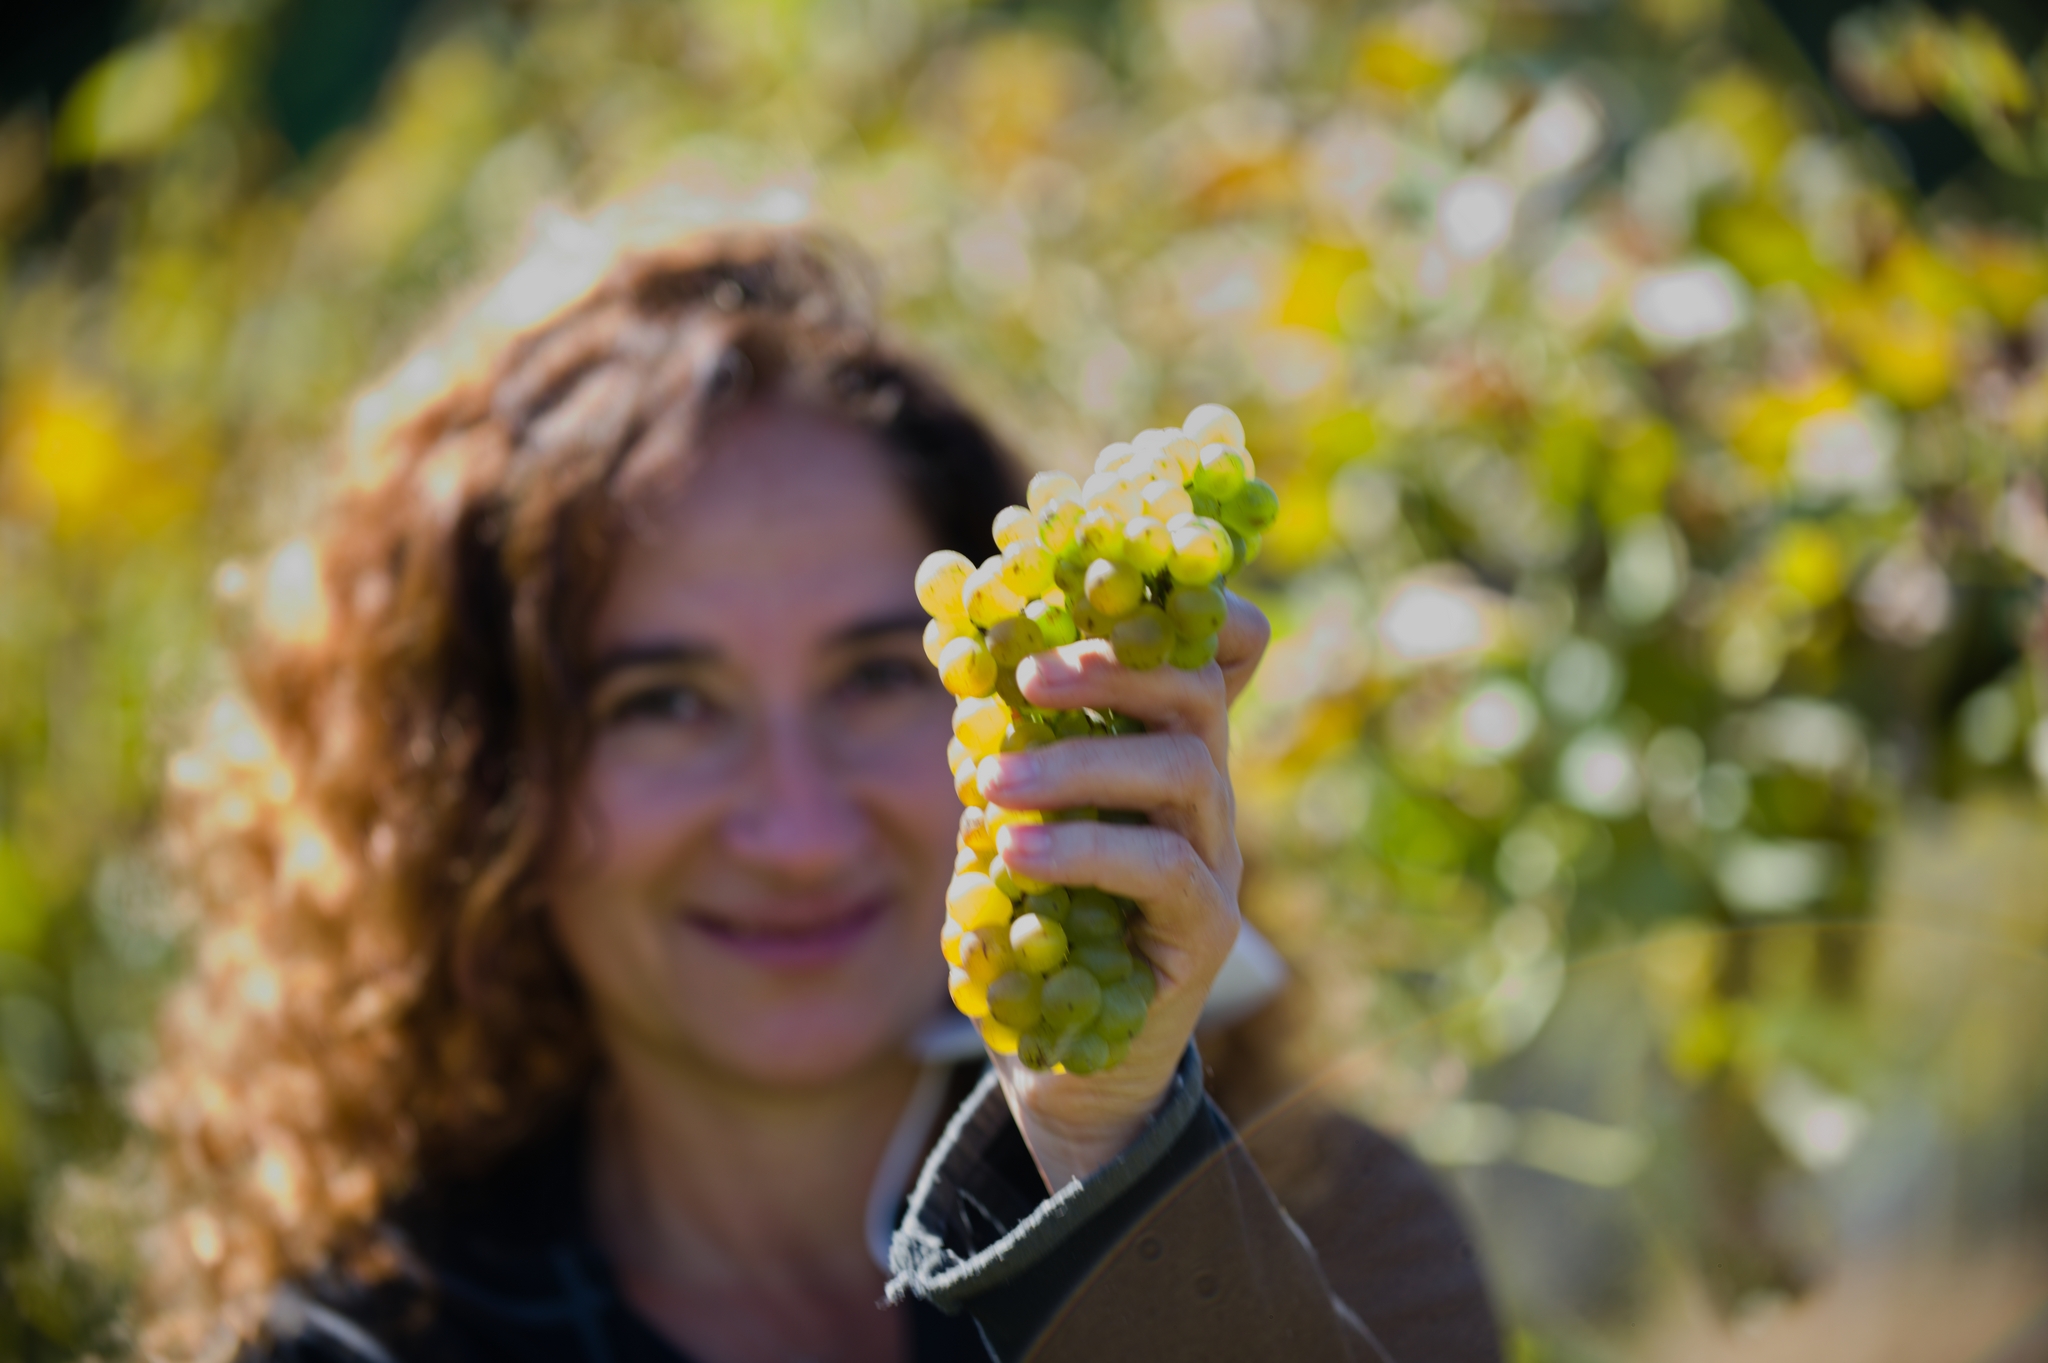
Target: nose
{"x":794,"y":819}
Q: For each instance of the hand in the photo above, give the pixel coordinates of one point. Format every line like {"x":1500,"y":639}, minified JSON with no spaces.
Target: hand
{"x":1183,"y":869}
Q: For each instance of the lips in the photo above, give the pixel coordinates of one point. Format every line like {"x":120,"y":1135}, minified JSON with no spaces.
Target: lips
{"x":810,"y":942}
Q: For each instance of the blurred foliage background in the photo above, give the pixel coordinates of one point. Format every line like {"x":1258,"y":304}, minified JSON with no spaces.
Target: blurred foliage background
{"x":1648,"y":769}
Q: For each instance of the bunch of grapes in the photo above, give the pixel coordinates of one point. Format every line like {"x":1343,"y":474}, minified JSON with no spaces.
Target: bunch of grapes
{"x":1136,"y":555}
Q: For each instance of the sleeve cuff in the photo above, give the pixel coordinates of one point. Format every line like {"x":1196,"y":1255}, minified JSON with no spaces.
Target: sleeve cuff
{"x":979,"y":1217}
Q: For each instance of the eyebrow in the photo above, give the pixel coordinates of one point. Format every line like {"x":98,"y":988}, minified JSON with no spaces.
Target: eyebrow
{"x":683,"y":653}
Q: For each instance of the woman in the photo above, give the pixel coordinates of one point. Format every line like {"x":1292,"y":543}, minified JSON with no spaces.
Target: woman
{"x":574,"y":874}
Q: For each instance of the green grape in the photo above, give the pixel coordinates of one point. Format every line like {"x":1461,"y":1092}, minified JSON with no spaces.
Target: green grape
{"x":1108,"y":962}
{"x":966,"y":668}
{"x":1013,"y":640}
{"x":1089,"y":622}
{"x":1094,"y":917}
{"x":1086,"y":1053}
{"x":1050,"y":904}
{"x":1119,"y":1051}
{"x":1123,"y":1012}
{"x":1145,"y":982}
{"x":1114,"y":588}
{"x":1072,"y":724}
{"x":1252,"y":507}
{"x":1014,"y":525}
{"x":950,"y":934}
{"x":1070,"y":998}
{"x":975,"y":834}
{"x":1147,"y":544}
{"x":1047,"y":486}
{"x":1192,"y":655}
{"x":1221,"y":473}
{"x":1035,"y":1051}
{"x":1100,"y":534}
{"x":1054,"y":623}
{"x":1070,"y":576}
{"x":1008,"y":691}
{"x":939,"y":581}
{"x":1239,"y":548}
{"x":1142,"y":639}
{"x":1197,"y":610}
{"x":1206,"y":506}
{"x":974,"y":902}
{"x":1252,"y":544}
{"x":964,"y":786}
{"x":1039,"y":944}
{"x":1027,"y":731}
{"x":1027,"y":567}
{"x":1013,"y":999}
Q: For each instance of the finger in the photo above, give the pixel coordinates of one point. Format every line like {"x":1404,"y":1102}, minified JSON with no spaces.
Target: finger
{"x":1166,"y":699}
{"x":1241,"y":643}
{"x":1172,"y":778}
{"x":1189,"y":922}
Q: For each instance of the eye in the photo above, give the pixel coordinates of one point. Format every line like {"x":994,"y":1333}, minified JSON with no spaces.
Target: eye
{"x":881,"y":676}
{"x":668,"y":703}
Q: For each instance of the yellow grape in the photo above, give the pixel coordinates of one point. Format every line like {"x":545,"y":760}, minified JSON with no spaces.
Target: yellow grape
{"x":963,"y":784}
{"x":1057,"y":521}
{"x":979,"y":724}
{"x":1047,"y":486}
{"x":1012,"y":525}
{"x":1213,"y":422}
{"x":1147,"y":544}
{"x":974,"y":902}
{"x":970,"y":996}
{"x":939,"y":581}
{"x":1114,"y":588}
{"x":966,"y":667}
{"x":998,"y":1038}
{"x":1027,"y":567}
{"x":988,"y":598}
{"x":1163,"y":500}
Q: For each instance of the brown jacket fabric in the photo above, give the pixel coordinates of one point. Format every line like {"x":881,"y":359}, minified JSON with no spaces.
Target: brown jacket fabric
{"x":1181,"y":1250}
{"x":1342,"y":1249}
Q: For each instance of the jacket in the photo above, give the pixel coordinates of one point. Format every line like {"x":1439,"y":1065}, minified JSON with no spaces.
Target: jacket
{"x":1179,"y":1249}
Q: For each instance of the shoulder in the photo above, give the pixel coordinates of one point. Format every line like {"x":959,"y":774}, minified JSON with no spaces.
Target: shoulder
{"x":1384,"y":1226}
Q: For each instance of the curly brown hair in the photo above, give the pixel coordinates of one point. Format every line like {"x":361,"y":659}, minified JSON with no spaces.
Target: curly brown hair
{"x":375,"y":998}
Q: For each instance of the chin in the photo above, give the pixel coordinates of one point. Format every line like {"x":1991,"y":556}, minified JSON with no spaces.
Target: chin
{"x":800,"y":1046}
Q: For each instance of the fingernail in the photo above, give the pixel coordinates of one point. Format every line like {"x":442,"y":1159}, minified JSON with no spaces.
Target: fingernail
{"x":1012,"y":772}
{"x":1023,"y":839}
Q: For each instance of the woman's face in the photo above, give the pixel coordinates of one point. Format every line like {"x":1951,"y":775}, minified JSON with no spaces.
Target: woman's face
{"x":756,"y":875}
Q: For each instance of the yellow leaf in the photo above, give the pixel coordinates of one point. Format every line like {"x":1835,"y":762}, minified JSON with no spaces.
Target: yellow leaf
{"x":139,"y":99}
{"x":1642,"y":459}
{"x":1760,"y":424}
{"x":1322,"y":290}
{"x":1808,"y":562}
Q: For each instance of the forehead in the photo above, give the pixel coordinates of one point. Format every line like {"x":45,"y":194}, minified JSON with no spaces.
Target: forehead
{"x":792,"y":522}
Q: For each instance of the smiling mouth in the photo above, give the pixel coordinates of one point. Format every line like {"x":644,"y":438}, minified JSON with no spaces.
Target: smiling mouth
{"x":810,"y":945}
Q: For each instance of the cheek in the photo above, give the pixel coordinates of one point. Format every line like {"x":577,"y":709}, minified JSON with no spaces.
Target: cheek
{"x":626,"y":819}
